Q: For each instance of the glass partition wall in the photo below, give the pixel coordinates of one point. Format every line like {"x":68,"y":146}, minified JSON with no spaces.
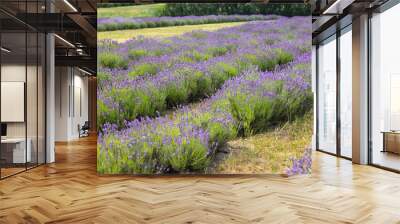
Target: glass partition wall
{"x":385,"y":89}
{"x":334,"y":105}
{"x":345,"y":90}
{"x":334,"y":94}
{"x":327,"y":95}
{"x":22,"y":77}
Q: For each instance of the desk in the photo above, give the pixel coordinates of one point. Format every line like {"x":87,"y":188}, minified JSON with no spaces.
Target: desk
{"x":13,"y":150}
{"x":391,"y":141}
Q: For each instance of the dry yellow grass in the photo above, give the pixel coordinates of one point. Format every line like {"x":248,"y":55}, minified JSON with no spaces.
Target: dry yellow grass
{"x":161,"y":32}
{"x":148,"y":10}
{"x":268,"y":152}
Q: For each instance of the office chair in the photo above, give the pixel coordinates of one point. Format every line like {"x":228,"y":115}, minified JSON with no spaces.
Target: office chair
{"x":84,"y":130}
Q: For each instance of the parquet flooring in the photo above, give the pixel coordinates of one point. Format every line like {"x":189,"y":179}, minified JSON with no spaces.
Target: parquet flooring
{"x":69,"y":191}
{"x":11,"y":170}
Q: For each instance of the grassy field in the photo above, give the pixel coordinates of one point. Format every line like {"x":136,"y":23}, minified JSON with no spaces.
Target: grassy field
{"x":123,"y":35}
{"x":268,"y":152}
{"x":131,"y":11}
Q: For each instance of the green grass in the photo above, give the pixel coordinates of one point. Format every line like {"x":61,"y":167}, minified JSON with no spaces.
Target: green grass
{"x":123,"y":35}
{"x":111,"y":60}
{"x":269,"y":152}
{"x":150,"y":10}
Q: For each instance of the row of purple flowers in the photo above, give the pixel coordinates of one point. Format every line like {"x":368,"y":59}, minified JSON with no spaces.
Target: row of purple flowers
{"x":161,"y":74}
{"x":122,"y":23}
{"x":186,"y":139}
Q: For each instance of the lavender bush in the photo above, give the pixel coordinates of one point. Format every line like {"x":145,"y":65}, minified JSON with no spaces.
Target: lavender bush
{"x":244,"y":79}
{"x":122,"y":23}
{"x":300,"y":165}
{"x":143,"y":77}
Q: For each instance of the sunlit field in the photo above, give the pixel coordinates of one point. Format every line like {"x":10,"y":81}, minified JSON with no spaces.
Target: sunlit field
{"x":268,"y":152}
{"x":131,"y":11}
{"x":209,"y":98}
{"x":161,"y":32}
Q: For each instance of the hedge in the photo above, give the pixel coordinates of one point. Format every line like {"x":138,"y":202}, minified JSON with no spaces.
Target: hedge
{"x":200,"y":9}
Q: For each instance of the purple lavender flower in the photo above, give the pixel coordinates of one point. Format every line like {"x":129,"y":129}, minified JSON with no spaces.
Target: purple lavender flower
{"x":119,"y":23}
{"x":149,"y":125}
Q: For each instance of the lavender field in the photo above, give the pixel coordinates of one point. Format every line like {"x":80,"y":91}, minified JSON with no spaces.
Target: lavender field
{"x":173,"y":105}
{"x":121,"y":23}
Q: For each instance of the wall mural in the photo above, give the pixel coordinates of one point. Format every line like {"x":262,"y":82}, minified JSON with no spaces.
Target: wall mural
{"x":204,"y":94}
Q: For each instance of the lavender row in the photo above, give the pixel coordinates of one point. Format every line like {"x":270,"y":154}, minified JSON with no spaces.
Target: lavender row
{"x":181,"y":70}
{"x":122,"y":23}
{"x":187,"y":140}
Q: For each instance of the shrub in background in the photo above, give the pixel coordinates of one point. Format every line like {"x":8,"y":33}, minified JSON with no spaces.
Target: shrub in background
{"x":201,"y":9}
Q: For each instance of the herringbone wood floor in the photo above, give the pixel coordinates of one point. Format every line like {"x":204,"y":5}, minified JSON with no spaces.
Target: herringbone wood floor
{"x":70,"y":191}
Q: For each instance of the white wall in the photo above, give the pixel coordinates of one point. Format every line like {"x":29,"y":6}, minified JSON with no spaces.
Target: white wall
{"x":70,"y":83}
{"x":62,"y":81}
{"x":16,"y":73}
{"x":13,"y":100}
{"x":33,"y":126}
{"x":79,"y":117}
{"x":9,"y":73}
{"x":13,"y":72}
